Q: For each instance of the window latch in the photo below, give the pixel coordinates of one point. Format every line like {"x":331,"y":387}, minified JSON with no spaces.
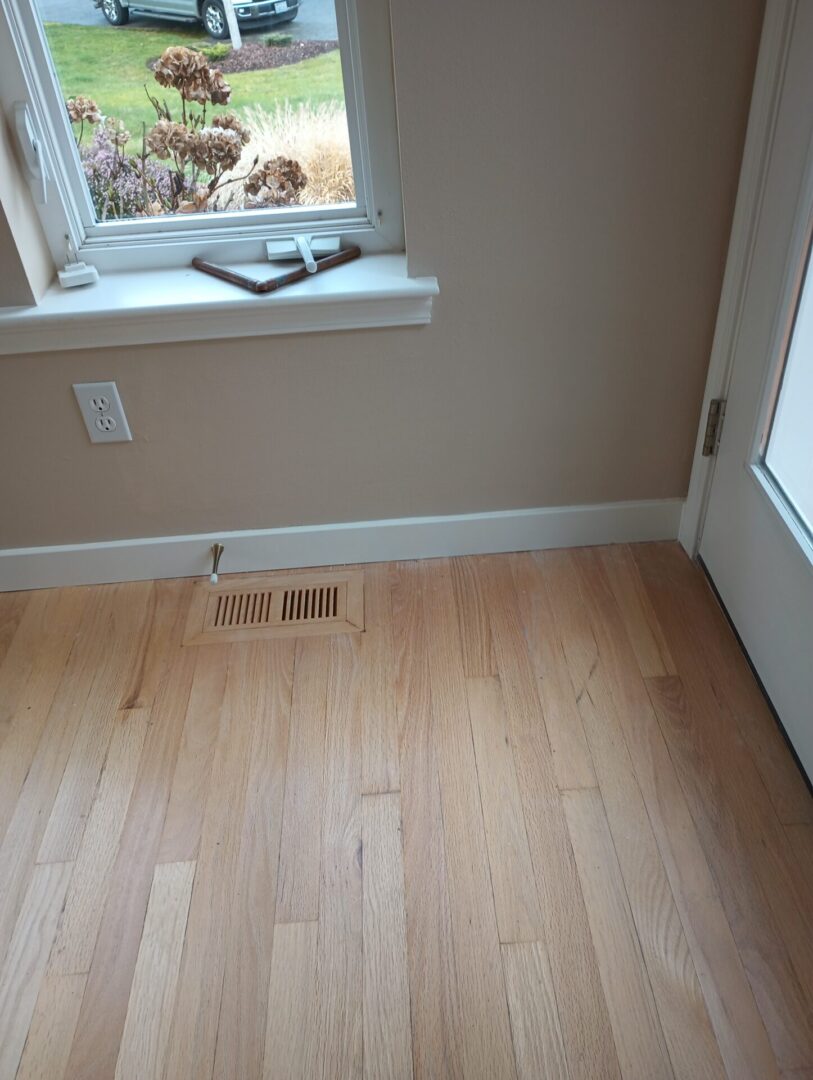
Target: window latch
{"x":35,"y":161}
{"x":75,"y":272}
{"x":306,"y":248}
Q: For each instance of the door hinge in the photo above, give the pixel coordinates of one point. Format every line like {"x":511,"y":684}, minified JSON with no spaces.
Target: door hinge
{"x":714,"y":426}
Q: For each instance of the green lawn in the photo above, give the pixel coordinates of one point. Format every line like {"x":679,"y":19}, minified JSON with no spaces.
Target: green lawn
{"x":109,"y":64}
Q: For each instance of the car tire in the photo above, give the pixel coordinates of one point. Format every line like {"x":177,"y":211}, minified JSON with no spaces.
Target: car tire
{"x":213,"y":18}
{"x":115,"y":13}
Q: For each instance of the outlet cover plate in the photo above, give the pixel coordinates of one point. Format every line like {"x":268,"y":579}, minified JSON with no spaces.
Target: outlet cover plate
{"x":102,"y":412}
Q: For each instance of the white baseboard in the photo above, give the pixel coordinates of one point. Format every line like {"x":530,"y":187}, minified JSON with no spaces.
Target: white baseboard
{"x":354,"y":542}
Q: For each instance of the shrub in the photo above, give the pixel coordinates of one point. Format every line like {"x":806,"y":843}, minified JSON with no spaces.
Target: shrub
{"x":316,"y":137}
{"x":216,"y":52}
{"x":121,"y":186}
{"x":278,"y":40}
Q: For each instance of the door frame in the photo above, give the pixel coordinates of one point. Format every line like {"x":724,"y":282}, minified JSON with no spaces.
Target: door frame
{"x":769,"y":78}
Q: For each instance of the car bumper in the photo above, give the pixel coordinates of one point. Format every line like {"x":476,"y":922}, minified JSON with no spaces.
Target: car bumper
{"x":266,"y":11}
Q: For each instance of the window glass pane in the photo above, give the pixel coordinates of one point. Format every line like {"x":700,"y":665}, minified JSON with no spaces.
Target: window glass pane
{"x":170,"y":119}
{"x":789,"y":455}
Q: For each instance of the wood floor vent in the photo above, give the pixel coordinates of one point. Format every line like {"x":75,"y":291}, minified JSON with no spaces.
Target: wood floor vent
{"x":267,"y":606}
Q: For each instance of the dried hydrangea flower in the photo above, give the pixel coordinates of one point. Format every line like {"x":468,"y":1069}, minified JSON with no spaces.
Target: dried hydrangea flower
{"x":188,"y":72}
{"x":196,"y":89}
{"x":217,"y":149}
{"x":197,"y":203}
{"x":81,"y":109}
{"x":219,"y":89}
{"x":232,"y":123}
{"x":276,"y":183}
{"x":116,"y":132}
{"x":178,"y":66}
{"x":170,"y":139}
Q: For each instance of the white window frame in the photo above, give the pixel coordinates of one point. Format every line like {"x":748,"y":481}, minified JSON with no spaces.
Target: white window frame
{"x":375,"y":223}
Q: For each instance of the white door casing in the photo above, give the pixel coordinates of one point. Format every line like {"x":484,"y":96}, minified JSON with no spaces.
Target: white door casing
{"x":758,"y":555}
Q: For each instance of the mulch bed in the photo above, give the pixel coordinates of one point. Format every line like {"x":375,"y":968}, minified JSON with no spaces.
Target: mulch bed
{"x":254,"y":56}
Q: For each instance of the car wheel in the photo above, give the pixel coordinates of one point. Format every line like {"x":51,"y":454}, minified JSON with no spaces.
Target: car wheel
{"x":115,"y":13}
{"x":214,"y":19}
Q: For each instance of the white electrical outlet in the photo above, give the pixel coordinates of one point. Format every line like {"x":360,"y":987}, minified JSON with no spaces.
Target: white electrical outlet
{"x":102,"y":412}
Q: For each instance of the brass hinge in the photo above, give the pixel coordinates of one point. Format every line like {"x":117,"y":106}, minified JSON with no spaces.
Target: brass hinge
{"x":714,"y":426}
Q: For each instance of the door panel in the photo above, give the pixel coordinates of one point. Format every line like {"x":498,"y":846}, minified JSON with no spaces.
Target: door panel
{"x":755,"y":542}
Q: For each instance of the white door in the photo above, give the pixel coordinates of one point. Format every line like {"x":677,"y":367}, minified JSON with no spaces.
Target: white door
{"x":757,"y":539}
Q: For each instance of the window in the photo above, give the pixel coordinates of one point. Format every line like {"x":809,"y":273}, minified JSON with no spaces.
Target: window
{"x":164,"y":142}
{"x":789,"y":452}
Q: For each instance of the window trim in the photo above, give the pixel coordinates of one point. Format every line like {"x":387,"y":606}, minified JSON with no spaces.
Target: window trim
{"x":376,"y":225}
{"x":159,"y":306}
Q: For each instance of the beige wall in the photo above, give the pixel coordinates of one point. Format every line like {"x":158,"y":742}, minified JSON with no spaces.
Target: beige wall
{"x":569,"y":175}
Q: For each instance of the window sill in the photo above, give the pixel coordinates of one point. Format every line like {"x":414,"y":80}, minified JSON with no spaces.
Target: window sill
{"x":145,"y":307}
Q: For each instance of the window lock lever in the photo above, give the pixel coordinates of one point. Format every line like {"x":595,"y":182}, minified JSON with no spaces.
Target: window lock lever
{"x":307,"y":248}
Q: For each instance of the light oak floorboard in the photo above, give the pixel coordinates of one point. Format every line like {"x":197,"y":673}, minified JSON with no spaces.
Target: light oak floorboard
{"x":782,"y":787}
{"x":149,"y":1011}
{"x":52,"y":1028}
{"x":291,"y":1002}
{"x":766,"y":900}
{"x":583,"y":1013}
{"x":686,"y":1026}
{"x":23,"y":650}
{"x":535,"y":1027}
{"x":20,"y":652}
{"x":260,"y":699}
{"x":433,"y":984}
{"x":156,"y":645}
{"x":194,"y":1032}
{"x":12,"y":609}
{"x":27,"y":721}
{"x":42,"y":778}
{"x":387,"y":1032}
{"x":339,"y":979}
{"x":486,"y":1032}
{"x":801,"y":841}
{"x":715,"y":650}
{"x":779,"y":996}
{"x":380,"y":769}
{"x":84,"y":905}
{"x":572,"y":763}
{"x":23,"y":969}
{"x":512,"y":875}
{"x":643,"y":629}
{"x":180,"y":839}
{"x":122,"y":638}
{"x":639,"y":1040}
{"x":104,"y":1005}
{"x":300,"y":850}
{"x":472,"y":614}
{"x":736,"y":1021}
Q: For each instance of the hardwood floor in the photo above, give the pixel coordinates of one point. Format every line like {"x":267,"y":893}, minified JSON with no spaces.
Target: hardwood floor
{"x":536,"y":822}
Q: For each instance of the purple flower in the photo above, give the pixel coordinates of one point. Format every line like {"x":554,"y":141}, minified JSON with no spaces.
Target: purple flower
{"x":122,"y":186}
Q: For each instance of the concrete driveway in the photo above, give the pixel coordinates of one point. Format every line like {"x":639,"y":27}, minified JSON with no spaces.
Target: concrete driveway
{"x":316,"y":20}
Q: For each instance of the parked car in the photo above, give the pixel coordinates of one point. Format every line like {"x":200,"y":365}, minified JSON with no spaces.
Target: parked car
{"x":209,"y":12}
